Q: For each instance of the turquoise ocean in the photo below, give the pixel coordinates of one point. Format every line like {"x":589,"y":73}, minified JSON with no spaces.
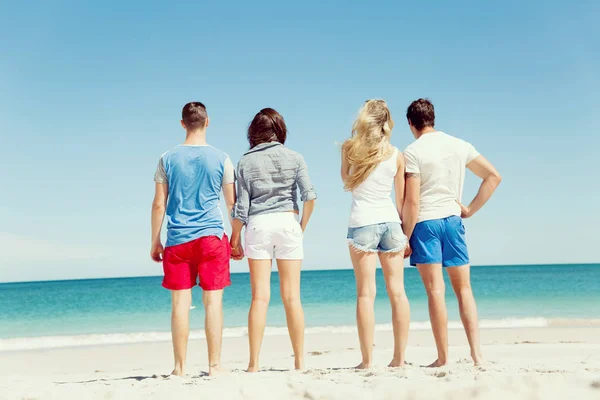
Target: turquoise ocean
{"x":125,"y":310}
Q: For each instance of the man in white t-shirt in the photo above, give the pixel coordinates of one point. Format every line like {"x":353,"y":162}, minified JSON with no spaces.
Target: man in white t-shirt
{"x":432,"y":219}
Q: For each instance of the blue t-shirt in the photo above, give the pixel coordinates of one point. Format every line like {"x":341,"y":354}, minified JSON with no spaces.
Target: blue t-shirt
{"x":195,"y":175}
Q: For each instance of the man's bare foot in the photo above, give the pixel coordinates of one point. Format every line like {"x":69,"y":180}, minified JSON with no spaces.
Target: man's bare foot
{"x":363,"y":365}
{"x":437,"y":363}
{"x":396,"y":363}
{"x":215,"y":370}
{"x":252,"y":369}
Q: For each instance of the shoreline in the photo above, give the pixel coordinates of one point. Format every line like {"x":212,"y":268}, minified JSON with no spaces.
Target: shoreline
{"x":33,"y":343}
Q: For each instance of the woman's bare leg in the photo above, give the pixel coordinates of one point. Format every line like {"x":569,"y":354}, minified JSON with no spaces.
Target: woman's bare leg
{"x":364,"y":271}
{"x":289,"y":278}
{"x":393,"y":271}
{"x":260,"y":280}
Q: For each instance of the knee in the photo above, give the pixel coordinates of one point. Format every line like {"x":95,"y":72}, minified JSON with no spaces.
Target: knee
{"x":367,"y":294}
{"x":211,"y":300}
{"x":436,"y":291}
{"x":261,"y":297}
{"x":464,"y":292}
{"x":396,"y":293}
{"x":290,"y":297}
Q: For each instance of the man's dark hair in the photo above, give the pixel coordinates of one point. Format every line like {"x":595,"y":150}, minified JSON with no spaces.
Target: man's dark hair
{"x":267,"y":126}
{"x":421,"y":114}
{"x":194,"y":116}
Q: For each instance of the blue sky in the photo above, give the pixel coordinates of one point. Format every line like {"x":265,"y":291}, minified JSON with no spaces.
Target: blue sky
{"x":91,"y":94}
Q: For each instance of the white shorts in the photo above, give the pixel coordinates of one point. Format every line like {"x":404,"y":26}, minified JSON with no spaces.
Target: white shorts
{"x":276,"y":235}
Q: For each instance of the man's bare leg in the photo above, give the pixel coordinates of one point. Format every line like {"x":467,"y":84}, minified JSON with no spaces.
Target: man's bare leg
{"x":289,"y":280}
{"x":433,"y":279}
{"x":364,"y":271}
{"x":181,"y":301}
{"x":393,"y":271}
{"x":213,"y":325}
{"x":460,"y":277}
{"x":260,"y":280}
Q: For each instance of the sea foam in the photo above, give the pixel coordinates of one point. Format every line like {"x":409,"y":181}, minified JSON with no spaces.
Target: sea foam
{"x":49,"y":342}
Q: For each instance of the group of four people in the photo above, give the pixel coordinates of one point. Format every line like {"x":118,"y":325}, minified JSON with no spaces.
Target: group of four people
{"x":261,"y":195}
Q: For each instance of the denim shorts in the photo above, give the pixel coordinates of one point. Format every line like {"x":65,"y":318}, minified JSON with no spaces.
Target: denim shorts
{"x":386,"y":237}
{"x":439,"y":241}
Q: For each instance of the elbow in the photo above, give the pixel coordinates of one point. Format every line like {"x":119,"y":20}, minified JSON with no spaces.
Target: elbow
{"x":158,"y":206}
{"x":494,"y":180}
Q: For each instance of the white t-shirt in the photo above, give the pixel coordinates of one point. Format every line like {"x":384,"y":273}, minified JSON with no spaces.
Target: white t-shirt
{"x":440,"y":160}
{"x":371,"y":200}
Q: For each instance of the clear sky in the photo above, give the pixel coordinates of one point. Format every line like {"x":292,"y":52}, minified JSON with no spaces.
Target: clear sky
{"x":91,"y":96}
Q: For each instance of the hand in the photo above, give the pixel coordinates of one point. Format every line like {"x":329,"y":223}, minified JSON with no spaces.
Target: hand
{"x":237,"y":253}
{"x":157,"y":252}
{"x":407,"y":251}
{"x":465,"y":212}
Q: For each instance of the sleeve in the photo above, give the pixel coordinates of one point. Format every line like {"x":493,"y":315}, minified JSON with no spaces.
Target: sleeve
{"x":228,"y":172}
{"x":307,"y":190}
{"x":160,"y":176}
{"x":411,"y":161}
{"x":471,"y":153}
{"x":242,"y":204}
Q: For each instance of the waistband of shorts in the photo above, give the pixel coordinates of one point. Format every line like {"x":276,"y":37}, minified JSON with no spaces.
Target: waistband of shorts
{"x":273,"y":216}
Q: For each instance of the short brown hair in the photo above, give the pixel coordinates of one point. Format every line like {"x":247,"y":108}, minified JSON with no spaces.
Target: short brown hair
{"x":267,"y":126}
{"x":194,"y":116}
{"x":421,"y":114}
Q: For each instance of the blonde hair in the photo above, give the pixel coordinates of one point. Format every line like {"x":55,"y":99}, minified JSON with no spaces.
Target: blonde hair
{"x":369,"y":144}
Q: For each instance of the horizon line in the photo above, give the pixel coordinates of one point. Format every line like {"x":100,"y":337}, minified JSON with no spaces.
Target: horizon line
{"x":308,"y":270}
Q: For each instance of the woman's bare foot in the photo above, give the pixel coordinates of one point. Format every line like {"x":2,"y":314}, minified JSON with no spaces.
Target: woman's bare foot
{"x":177,"y":372}
{"x":299,"y":365}
{"x":215,"y":370}
{"x":363,"y":365}
{"x":437,"y":363}
{"x":477,"y":359}
{"x":252,"y":369}
{"x":396,"y":363}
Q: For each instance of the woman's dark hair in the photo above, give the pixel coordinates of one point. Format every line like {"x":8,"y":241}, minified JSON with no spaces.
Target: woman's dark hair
{"x":267,"y":126}
{"x":421,"y":114}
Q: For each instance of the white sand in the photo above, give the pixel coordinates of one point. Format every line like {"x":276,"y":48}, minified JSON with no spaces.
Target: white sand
{"x":538,"y":363}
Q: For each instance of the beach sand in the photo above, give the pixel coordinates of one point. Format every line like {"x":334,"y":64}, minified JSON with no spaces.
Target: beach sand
{"x":532,"y":363}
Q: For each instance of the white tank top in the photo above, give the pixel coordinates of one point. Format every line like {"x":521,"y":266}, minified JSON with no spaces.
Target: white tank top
{"x":371,"y":200}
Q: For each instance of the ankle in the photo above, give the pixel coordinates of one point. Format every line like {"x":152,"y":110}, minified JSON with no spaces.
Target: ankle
{"x":178,"y":370}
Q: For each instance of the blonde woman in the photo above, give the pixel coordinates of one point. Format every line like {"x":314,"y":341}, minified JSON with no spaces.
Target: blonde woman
{"x":371,"y":168}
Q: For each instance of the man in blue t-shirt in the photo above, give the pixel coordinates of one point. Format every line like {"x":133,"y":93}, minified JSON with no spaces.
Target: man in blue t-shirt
{"x":189,"y":180}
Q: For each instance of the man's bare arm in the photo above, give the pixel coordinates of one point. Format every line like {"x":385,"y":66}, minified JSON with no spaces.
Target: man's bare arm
{"x":491,"y":179}
{"x":399,"y":183}
{"x":229,"y":195}
{"x":410,"y":209}
{"x":159,"y":206}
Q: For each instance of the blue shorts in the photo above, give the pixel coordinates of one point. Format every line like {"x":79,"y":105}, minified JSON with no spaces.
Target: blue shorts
{"x":439,"y":241}
{"x":386,"y":237}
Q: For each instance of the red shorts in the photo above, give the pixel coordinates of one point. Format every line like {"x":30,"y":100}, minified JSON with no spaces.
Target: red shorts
{"x":206,"y":258}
